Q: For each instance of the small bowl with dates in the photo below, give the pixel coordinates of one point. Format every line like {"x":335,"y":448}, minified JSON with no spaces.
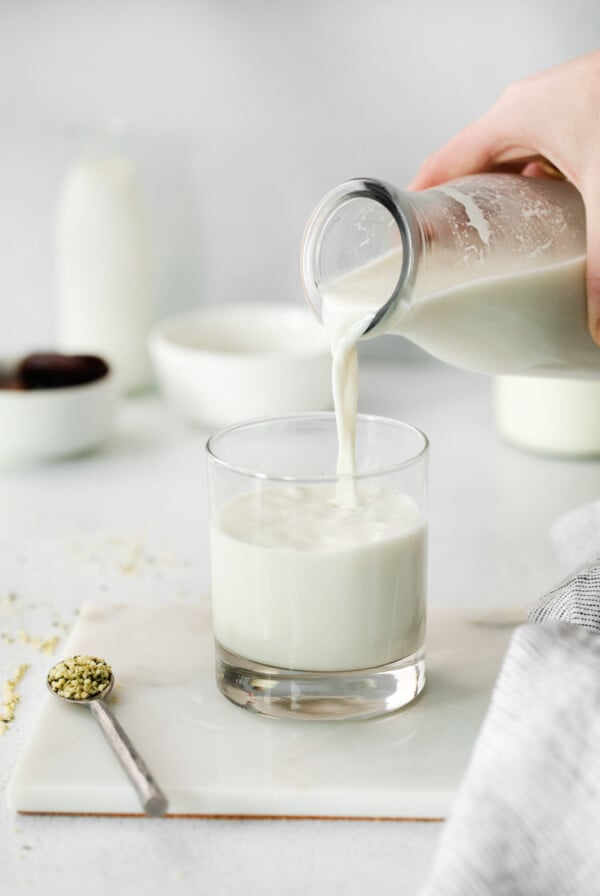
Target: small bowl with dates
{"x":54,"y":406}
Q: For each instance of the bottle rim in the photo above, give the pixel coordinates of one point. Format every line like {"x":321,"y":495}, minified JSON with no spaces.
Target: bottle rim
{"x":401,"y":210}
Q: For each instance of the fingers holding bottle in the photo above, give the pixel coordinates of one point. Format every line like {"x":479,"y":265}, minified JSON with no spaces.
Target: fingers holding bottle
{"x":544,"y":125}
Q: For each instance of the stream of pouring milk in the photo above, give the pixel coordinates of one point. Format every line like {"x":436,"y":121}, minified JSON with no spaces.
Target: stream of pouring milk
{"x":344,"y":330}
{"x":348,"y":306}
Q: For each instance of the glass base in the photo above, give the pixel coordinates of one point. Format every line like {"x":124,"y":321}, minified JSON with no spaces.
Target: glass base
{"x":286,"y":693}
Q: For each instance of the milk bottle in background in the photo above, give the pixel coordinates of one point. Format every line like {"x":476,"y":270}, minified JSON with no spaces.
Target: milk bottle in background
{"x":550,"y":416}
{"x":103,"y":264}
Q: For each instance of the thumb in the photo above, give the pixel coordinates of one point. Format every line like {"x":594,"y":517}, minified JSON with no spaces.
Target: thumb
{"x":468,"y":152}
{"x":592,"y":204}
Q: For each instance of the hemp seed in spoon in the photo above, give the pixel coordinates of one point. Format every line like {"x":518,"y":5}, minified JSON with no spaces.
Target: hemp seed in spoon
{"x":80,"y":677}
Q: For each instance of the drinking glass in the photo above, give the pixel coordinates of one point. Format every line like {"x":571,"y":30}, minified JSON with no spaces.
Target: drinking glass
{"x":318,"y":580}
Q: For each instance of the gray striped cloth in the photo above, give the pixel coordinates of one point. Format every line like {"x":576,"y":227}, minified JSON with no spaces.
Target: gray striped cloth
{"x":577,"y":600}
{"x":526,"y":821}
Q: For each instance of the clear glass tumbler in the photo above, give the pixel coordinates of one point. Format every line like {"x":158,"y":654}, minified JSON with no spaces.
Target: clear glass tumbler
{"x":318,"y":581}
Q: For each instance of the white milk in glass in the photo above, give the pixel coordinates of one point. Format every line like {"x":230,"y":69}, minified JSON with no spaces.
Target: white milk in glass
{"x":302,"y":583}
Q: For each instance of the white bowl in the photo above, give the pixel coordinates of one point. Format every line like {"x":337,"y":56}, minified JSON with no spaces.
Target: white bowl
{"x":219,"y":364}
{"x":40,"y":425}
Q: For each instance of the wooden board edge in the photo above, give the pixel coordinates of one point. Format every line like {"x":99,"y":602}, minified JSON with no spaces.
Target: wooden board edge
{"x":234,"y":817}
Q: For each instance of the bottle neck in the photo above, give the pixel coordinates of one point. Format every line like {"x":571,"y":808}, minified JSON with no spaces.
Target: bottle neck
{"x":355,"y":226}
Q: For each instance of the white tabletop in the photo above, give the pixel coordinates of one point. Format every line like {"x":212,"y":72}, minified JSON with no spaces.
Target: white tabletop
{"x":130,"y":523}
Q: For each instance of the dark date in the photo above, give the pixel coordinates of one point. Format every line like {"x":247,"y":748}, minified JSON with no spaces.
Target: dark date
{"x":52,"y":370}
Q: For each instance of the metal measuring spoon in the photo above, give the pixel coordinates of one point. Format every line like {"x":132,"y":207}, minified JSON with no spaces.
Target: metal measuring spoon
{"x":153,"y":800}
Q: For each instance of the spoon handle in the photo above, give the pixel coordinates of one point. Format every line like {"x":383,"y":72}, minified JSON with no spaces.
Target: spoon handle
{"x":151,"y":796}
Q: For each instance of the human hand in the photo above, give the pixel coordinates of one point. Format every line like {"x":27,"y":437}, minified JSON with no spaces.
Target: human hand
{"x":552,"y":116}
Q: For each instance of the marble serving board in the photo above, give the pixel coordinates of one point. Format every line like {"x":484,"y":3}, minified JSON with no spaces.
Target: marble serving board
{"x":214,"y":759}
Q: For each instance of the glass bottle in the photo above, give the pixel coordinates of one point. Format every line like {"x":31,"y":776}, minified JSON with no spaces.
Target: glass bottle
{"x":486,"y":272}
{"x":102,"y":257}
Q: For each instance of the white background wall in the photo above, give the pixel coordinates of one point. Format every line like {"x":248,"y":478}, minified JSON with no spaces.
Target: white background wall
{"x":243,"y":113}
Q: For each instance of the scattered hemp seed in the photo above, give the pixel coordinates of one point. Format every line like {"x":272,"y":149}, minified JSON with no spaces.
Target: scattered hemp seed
{"x":79,"y":677}
{"x":10,"y":698}
{"x":7,"y":602}
{"x":44,"y":645}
